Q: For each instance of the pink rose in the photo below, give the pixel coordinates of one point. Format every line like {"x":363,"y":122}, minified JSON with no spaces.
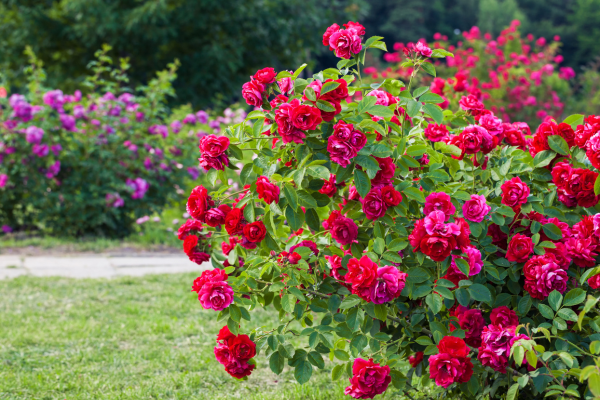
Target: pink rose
{"x":436,"y":132}
{"x":492,"y":124}
{"x":368,"y":379}
{"x":216,"y":295}
{"x":504,"y":316}
{"x":514,"y":192}
{"x":422,"y":49}
{"x":476,"y":208}
{"x":388,"y":285}
{"x":330,"y":31}
{"x":252,"y":92}
{"x":343,"y":230}
{"x":265,"y":76}
{"x":381,"y":96}
{"x":213,"y":146}
{"x":543,"y":275}
{"x":373,"y":205}
{"x":345,"y":43}
{"x":439,"y":201}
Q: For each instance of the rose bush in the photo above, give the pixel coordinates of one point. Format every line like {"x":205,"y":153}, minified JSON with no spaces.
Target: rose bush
{"x":408,"y":248}
{"x":97,"y":163}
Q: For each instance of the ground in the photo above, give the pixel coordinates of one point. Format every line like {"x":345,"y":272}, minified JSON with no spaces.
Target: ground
{"x":126,"y":338}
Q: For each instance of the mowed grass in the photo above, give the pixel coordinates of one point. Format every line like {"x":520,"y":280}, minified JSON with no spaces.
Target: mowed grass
{"x":127,"y":338}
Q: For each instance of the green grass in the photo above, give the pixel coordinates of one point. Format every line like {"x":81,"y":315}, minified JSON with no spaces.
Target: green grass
{"x":127,"y":338}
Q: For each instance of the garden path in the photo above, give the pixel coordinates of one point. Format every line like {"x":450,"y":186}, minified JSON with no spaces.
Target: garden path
{"x":95,"y":266}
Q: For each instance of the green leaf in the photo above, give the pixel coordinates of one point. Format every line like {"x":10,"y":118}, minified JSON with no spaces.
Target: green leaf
{"x":300,"y":69}
{"x":310,"y":94}
{"x":379,"y":246}
{"x":431,"y":98}
{"x":463,"y":266}
{"x":249,"y":213}
{"x":434,"y":111}
{"x":574,"y":297}
{"x":325,"y":106}
{"x":291,"y":195}
{"x":303,"y":371}
{"x":543,"y":158}
{"x":276,"y":362}
{"x":294,"y":218}
{"x":414,"y":194}
{"x":288,"y":302}
{"x":416,"y":150}
{"x":392,"y":256}
{"x":372,"y":125}
{"x":412,"y":108}
{"x":597,"y":186}
{"x":365,"y":104}
{"x":558,"y":144}
{"x":350,"y":301}
{"x":417,"y":275}
{"x":381,"y":111}
{"x":328,"y":87}
{"x":424,"y":340}
{"x":381,"y":312}
{"x":555,"y":299}
{"x":355,"y":318}
{"x":286,"y":349}
{"x":306,"y":200}
{"x":440,"y":53}
{"x":594,"y":383}
{"x":480,"y":293}
{"x":567,"y":314}
{"x":362,"y":183}
{"x":429,"y":68}
{"x":336,"y":372}
{"x":512,"y":392}
{"x":235,"y":313}
{"x":319,"y":171}
{"x":546,"y":311}
{"x":434,"y":301}
{"x":552,"y":231}
{"x":445,"y":292}
{"x":462,"y":296}
{"x":574,"y":120}
{"x":312,"y":220}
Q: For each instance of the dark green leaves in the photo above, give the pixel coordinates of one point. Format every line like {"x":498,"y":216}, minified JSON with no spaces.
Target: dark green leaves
{"x":479,"y":292}
{"x":362,"y":182}
{"x":543,"y":158}
{"x":574,"y":297}
{"x":292,"y":197}
{"x":552,"y":231}
{"x":294,"y":218}
{"x":303,"y":371}
{"x":555,"y":300}
{"x":558,"y":144}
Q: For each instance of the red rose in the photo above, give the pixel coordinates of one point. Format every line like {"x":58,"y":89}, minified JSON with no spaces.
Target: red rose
{"x":216,"y":216}
{"x":265,"y":76}
{"x":472,"y":138}
{"x":330,"y":31}
{"x":437,"y":248}
{"x":472,"y":322}
{"x":328,"y":116}
{"x":415,"y":359}
{"x":266,"y":190}
{"x":345,"y":43}
{"x":356,"y":27}
{"x":519,"y":248}
{"x":373,"y":205}
{"x":337,"y":94}
{"x":368,"y":379}
{"x":285,"y":126}
{"x":454,"y":346}
{"x":436,"y":132}
{"x":191,"y":225}
{"x":543,"y":275}
{"x":361,"y":274}
{"x":255,"y":232}
{"x":329,"y":188}
{"x":242,"y":348}
{"x":560,"y":173}
{"x":219,"y":163}
{"x":567,"y":133}
{"x":252,"y":92}
{"x":189,"y":243}
{"x":513,"y":136}
{"x":343,"y":230}
{"x":213,"y":146}
{"x":385,"y":175}
{"x":305,"y":117}
{"x":514,"y":192}
{"x":417,"y":234}
{"x":197,"y":203}
{"x":463,"y":240}
{"x":239,"y":369}
{"x":233,"y":222}
{"x":391,"y":196}
{"x":225,"y":336}
{"x":471,"y":103}
{"x":504,"y":316}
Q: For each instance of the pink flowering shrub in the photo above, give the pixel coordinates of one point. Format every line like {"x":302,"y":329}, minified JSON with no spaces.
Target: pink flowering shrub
{"x":449,"y":252}
{"x":518,"y":77}
{"x":97,"y":163}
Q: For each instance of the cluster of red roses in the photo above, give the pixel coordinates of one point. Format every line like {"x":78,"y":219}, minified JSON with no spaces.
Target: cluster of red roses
{"x":193,"y":241}
{"x":587,"y":136}
{"x":255,"y":91}
{"x":374,"y":283}
{"x":433,"y":235}
{"x":345,"y":143}
{"x":214,"y":292}
{"x":575,"y":186}
{"x":345,"y":43}
{"x":212,"y":152}
{"x":498,"y":338}
{"x":452,"y":363}
{"x":368,"y":379}
{"x":341,"y":228}
{"x":235,"y":353}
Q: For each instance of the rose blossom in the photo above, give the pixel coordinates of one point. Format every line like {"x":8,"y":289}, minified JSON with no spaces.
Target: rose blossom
{"x":439,"y":201}
{"x":436,"y":132}
{"x":437,"y":248}
{"x":198,"y":202}
{"x":305,"y":117}
{"x":189,"y":226}
{"x":476,"y":208}
{"x":472,"y":322}
{"x":385,"y":175}
{"x":216,"y":295}
{"x":519,"y":248}
{"x":267,"y":191}
{"x":391,"y":197}
{"x":343,"y":230}
{"x":234,"y":222}
{"x":345,"y":43}
{"x":255,"y":232}
{"x":361,"y":275}
{"x":265,"y":76}
{"x":329,"y":188}
{"x":388,"y":285}
{"x":514,"y":192}
{"x":543,"y":275}
{"x":451,"y":364}
{"x":373,"y":205}
{"x":368,"y":379}
{"x":252,"y":92}
{"x":415,"y":359}
{"x":504,"y":316}
{"x":213,"y":146}
{"x":216,"y":216}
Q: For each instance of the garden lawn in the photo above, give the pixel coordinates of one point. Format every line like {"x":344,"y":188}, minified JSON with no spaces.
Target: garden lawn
{"x":127,"y":338}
